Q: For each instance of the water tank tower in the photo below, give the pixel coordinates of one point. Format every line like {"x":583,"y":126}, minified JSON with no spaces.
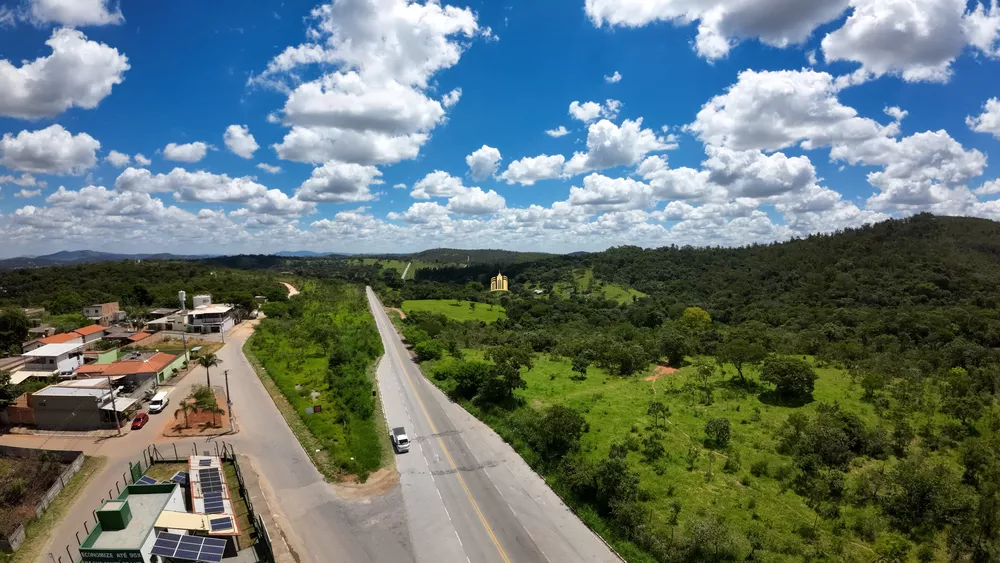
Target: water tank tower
{"x":201,"y":300}
{"x":182,"y":297}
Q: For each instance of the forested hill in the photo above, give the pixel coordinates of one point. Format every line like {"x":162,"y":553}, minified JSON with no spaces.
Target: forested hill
{"x":922,"y":260}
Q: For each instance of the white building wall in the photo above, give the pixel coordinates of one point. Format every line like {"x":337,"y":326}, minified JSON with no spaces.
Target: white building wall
{"x":68,"y":363}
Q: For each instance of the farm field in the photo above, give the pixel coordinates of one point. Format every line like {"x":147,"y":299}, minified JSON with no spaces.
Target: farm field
{"x":457,"y":310}
{"x":398,"y":265}
{"x":743,"y":484}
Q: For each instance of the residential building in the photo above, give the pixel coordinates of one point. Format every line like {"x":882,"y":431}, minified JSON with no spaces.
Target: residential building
{"x":63,"y":338}
{"x":42,"y":331}
{"x":211,"y":318}
{"x":78,"y":408}
{"x":174,"y":321}
{"x":136,"y":369}
{"x":102,"y":313}
{"x":163,"y":311}
{"x":54,"y":358}
{"x":91,"y":334}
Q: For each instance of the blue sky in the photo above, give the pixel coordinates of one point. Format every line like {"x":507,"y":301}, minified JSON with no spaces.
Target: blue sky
{"x":732,"y":122}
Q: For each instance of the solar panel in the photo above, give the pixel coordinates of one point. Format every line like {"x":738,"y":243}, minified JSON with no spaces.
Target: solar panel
{"x":146,"y":480}
{"x":204,"y":462}
{"x":191,"y":548}
{"x":211,"y":480}
{"x":180,"y":477}
{"x":220,"y":524}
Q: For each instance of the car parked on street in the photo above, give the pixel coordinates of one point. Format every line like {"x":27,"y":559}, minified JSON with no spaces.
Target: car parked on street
{"x":140,"y":420}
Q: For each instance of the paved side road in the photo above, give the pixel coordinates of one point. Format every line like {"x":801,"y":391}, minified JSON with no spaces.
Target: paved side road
{"x":468,"y":495}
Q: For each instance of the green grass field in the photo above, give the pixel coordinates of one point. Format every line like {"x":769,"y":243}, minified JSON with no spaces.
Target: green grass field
{"x":457,"y":310}
{"x":615,"y":408}
{"x":584,"y":282}
{"x":398,"y":265}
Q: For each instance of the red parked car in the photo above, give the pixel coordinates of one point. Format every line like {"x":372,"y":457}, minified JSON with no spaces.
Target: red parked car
{"x":140,"y":420}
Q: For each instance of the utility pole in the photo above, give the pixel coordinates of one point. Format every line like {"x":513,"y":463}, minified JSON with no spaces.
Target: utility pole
{"x":114,"y":409}
{"x":229,"y":402}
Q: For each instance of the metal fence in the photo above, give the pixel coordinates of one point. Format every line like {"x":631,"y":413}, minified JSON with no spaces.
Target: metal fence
{"x":172,"y":454}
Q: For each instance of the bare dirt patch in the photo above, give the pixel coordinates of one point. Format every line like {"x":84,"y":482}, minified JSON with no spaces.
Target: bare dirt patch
{"x":201,"y":422}
{"x":379,"y":482}
{"x":660,"y":372}
{"x":398,"y":311}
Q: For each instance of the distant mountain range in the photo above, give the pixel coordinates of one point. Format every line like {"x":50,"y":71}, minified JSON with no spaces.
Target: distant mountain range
{"x":438,"y":255}
{"x":70,"y":257}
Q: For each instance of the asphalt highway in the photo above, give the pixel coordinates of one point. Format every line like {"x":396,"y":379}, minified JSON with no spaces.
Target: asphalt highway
{"x":468,"y":495}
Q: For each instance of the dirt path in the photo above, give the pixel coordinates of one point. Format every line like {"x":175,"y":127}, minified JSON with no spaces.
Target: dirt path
{"x":292,"y":292}
{"x":660,"y":372}
{"x":402,"y":315}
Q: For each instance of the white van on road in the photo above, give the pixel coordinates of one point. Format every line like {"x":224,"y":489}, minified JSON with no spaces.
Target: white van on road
{"x":159,"y":402}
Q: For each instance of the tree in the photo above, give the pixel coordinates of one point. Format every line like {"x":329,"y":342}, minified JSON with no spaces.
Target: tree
{"x":793,"y":378}
{"x":431,"y":349}
{"x":472,"y":306}
{"x":658,"y":410}
{"x":557,"y":433}
{"x":718,"y":431}
{"x":186,"y":406}
{"x":505,"y":374}
{"x":741,"y":354}
{"x":14,"y":327}
{"x":673,"y":345}
{"x":581,"y":362}
{"x":208,"y":361}
{"x":8,"y":391}
{"x":652,"y":446}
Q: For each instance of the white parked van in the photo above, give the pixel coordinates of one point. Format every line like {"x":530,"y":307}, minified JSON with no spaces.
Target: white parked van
{"x":158,"y":403}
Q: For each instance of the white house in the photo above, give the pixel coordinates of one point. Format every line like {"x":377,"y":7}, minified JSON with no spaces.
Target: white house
{"x":53,"y":358}
{"x":211,"y":318}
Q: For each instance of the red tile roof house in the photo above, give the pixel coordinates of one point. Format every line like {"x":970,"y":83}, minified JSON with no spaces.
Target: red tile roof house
{"x":64,"y":338}
{"x":160,"y":365}
{"x":90,"y":334}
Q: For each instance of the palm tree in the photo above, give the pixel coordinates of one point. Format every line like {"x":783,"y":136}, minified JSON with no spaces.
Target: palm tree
{"x":208,"y":361}
{"x":187,"y":405}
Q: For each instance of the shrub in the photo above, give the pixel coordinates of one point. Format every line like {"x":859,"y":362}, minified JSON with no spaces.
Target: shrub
{"x":718,"y":432}
{"x":430,"y":349}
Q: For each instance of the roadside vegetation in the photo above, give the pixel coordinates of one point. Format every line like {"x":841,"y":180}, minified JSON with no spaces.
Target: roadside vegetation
{"x":318,"y":349}
{"x":38,"y":530}
{"x":835,"y":399}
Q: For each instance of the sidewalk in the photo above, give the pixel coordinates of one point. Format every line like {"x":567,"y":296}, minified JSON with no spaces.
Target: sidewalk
{"x":282,"y":553}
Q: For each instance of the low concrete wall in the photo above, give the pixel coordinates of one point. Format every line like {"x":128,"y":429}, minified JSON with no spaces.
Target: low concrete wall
{"x":74,"y":458}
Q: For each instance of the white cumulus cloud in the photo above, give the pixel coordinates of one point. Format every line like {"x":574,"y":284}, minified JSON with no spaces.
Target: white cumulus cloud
{"x":340,"y":182}
{"x":529,"y":170}
{"x":483,"y":163}
{"x":188,"y":152}
{"x":52,"y":150}
{"x":118,"y":159}
{"x":78,"y":73}
{"x":239,"y":140}
{"x":989,"y":120}
{"x":614,"y":78}
{"x":560,"y":131}
{"x":609,"y":145}
{"x":75,"y":13}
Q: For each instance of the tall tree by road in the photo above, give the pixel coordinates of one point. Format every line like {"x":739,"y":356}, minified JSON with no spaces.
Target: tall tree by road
{"x":208,"y":361}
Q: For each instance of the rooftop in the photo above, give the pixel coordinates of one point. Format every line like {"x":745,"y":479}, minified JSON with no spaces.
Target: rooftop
{"x":211,"y":310}
{"x":89,"y":383}
{"x":164,"y":311}
{"x":60,"y":338}
{"x":153,"y":364}
{"x":88,"y":330}
{"x":146,"y":502}
{"x":138,"y":336}
{"x":60,"y":391}
{"x":53,"y":350}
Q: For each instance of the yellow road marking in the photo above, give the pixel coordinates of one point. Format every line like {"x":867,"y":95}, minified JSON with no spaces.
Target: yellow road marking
{"x":461,"y":481}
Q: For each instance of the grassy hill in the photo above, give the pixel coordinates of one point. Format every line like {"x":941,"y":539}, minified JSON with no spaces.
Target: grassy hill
{"x":457,"y":310}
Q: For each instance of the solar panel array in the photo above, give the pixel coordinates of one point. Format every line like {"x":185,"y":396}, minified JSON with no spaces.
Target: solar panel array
{"x":211,"y":480}
{"x":205,"y":462}
{"x":181,"y":478}
{"x":190,"y":548}
{"x":146,"y":480}
{"x":214,"y":503}
{"x":221,"y":524}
